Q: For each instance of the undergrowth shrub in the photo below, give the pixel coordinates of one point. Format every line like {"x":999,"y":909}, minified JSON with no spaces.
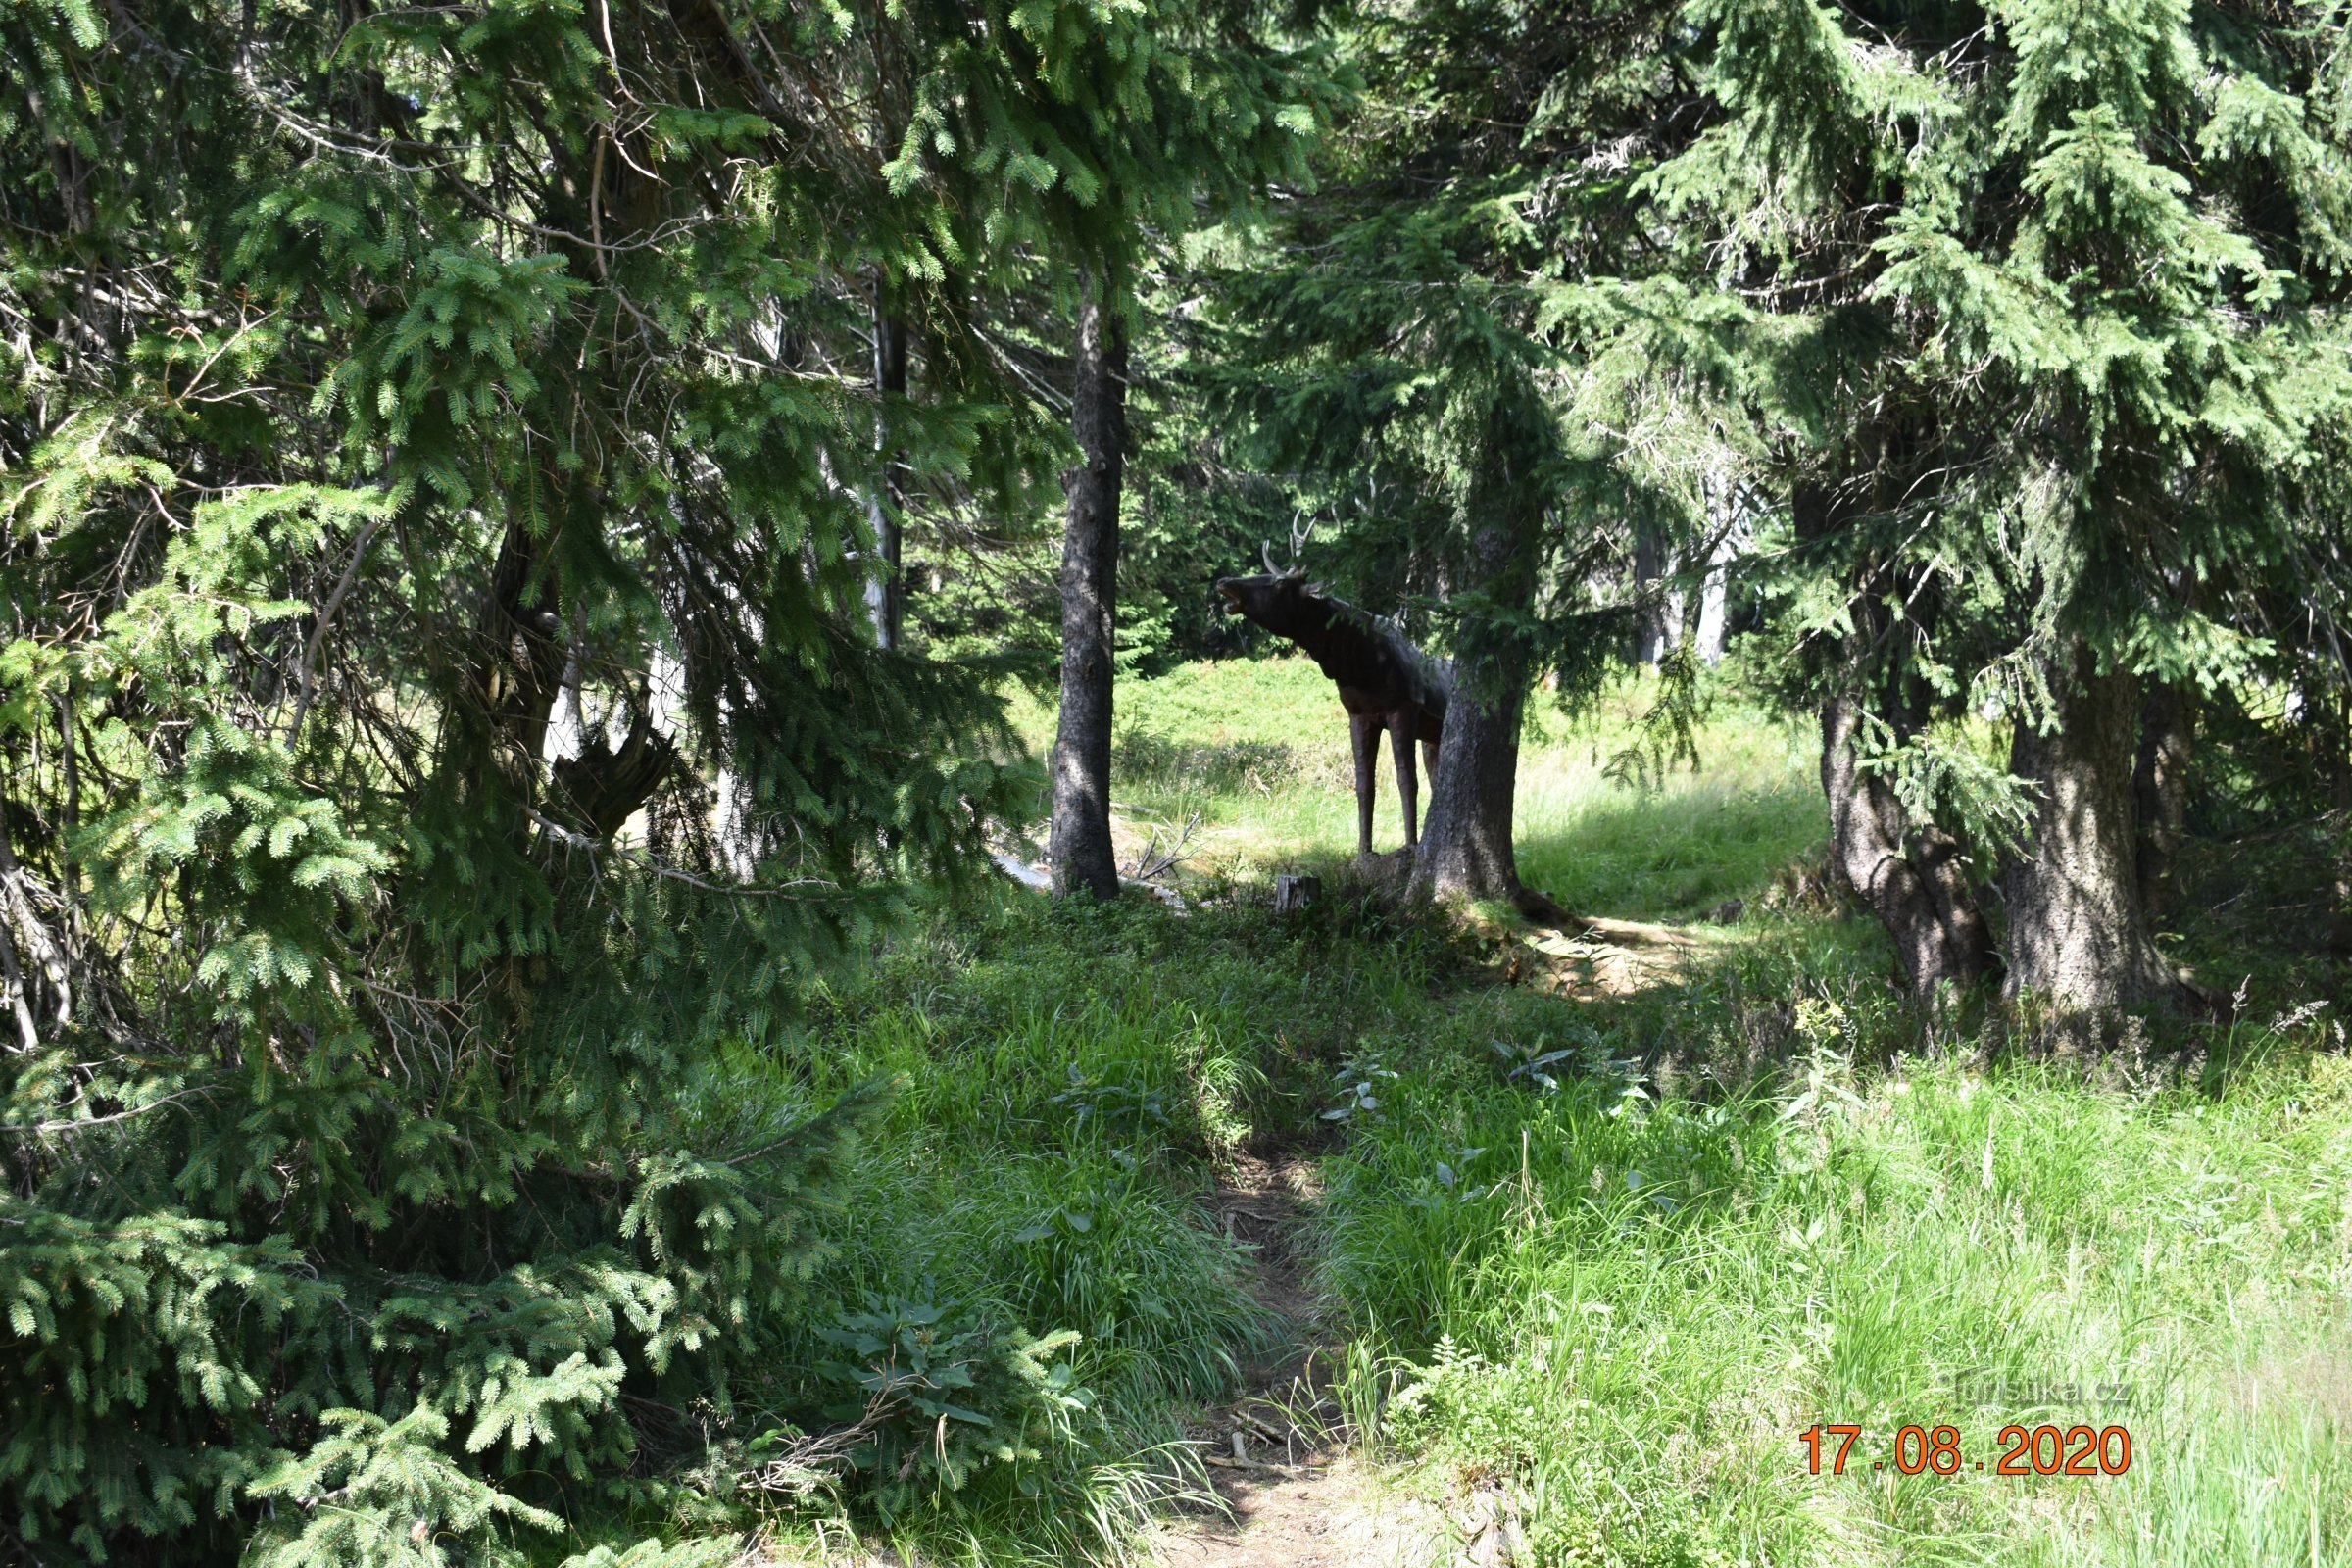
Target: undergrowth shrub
{"x":937,"y":1390}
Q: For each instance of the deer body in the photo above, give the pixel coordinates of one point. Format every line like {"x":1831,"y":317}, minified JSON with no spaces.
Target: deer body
{"x":1386,"y":685}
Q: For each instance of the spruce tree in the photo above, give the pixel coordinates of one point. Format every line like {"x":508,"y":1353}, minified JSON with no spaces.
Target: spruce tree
{"x":1420,"y":350}
{"x":438,"y":716}
{"x":2044,"y":308}
{"x":1100,"y":127}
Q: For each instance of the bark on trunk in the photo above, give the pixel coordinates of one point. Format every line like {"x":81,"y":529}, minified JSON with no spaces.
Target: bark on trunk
{"x":606,"y":787}
{"x":1080,"y":842}
{"x":1466,"y":847}
{"x":1723,"y":527}
{"x":886,"y":588}
{"x":2336,"y":743}
{"x":520,"y":658}
{"x":1652,"y":635}
{"x":36,"y":979}
{"x":2167,"y":727}
{"x":1912,"y":877}
{"x":1466,"y":850}
{"x":521,"y":662}
{"x":2078,"y":935}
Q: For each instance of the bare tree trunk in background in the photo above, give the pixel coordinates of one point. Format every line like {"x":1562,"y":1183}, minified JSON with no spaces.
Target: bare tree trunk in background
{"x":1649,"y":634}
{"x":1723,"y":528}
{"x":1080,"y":842}
{"x":1708,"y":641}
{"x":2336,"y":741}
{"x":1911,"y":876}
{"x":886,"y":587}
{"x":885,"y":583}
{"x":2167,"y":731}
{"x":2078,"y":934}
{"x":1466,"y":850}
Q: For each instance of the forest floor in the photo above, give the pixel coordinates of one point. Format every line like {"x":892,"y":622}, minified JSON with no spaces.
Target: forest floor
{"x":1498,"y":1244}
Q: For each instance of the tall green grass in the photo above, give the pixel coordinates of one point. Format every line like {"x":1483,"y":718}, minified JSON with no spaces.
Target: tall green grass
{"x":1632,"y":1303}
{"x":1067,"y":1082}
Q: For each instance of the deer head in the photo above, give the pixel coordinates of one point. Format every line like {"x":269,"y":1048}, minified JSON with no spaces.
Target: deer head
{"x":1279,"y":599}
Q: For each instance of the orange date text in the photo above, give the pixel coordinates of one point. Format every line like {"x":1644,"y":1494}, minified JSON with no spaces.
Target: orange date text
{"x":2042,"y":1450}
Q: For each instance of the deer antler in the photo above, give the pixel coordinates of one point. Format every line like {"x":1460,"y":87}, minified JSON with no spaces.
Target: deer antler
{"x":1298,"y":539}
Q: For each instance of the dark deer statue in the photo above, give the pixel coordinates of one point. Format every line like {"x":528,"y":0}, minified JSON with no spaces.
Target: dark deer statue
{"x":1385,"y":682}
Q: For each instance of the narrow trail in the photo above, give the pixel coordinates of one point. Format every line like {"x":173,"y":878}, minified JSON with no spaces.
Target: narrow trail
{"x":1295,"y":1496}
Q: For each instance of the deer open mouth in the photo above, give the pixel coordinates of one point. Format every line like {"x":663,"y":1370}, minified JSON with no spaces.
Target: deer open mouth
{"x":1232,"y":593}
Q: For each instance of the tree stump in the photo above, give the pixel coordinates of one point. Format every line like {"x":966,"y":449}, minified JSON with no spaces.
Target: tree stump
{"x":1292,"y":894}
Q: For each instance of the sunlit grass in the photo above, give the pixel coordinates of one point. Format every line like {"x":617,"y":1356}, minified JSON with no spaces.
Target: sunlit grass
{"x":1259,"y":751}
{"x":1633,"y":1307}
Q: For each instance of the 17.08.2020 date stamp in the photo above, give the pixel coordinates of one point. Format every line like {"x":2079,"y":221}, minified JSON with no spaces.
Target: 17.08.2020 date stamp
{"x":2042,"y":1450}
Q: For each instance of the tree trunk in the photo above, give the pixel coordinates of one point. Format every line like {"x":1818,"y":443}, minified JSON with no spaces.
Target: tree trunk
{"x":1080,"y":844}
{"x":1651,"y":637}
{"x":520,"y":657}
{"x":1708,"y":642}
{"x":1466,"y":850}
{"x":2168,"y":728}
{"x":1912,"y":878}
{"x":1466,"y":847}
{"x":2078,"y":935}
{"x":886,"y":587}
{"x":885,"y":584}
{"x":2334,"y":742}
{"x":1723,"y":528}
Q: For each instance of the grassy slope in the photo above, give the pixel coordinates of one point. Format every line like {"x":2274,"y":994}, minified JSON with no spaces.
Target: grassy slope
{"x":1259,"y":750}
{"x":1625,"y":1299}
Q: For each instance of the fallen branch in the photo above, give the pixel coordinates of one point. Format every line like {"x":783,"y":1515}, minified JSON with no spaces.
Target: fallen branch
{"x":1039,"y":880}
{"x":1223,"y":1463}
{"x":1155,"y":861}
{"x":594,"y":847}
{"x":1260,"y":1427}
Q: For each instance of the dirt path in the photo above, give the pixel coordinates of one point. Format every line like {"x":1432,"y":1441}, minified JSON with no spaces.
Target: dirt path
{"x":1294,"y":1496}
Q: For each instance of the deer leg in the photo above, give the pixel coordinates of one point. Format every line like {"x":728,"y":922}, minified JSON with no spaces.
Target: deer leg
{"x":1364,"y":729}
{"x":1400,"y":740}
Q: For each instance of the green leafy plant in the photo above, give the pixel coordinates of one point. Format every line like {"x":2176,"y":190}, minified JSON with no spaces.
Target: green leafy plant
{"x":1357,"y":1082}
{"x":940,"y":1389}
{"x":1111,"y":1108}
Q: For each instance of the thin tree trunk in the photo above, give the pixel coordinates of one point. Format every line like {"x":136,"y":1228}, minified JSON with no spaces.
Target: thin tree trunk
{"x":2168,"y":728}
{"x":1080,"y":843}
{"x":1723,"y":526}
{"x":1708,"y":641}
{"x":1649,"y":631}
{"x":1912,"y":877}
{"x":886,"y":587}
{"x":2335,"y":739}
{"x":2078,"y":934}
{"x":1466,"y":850}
